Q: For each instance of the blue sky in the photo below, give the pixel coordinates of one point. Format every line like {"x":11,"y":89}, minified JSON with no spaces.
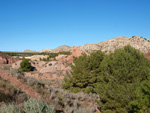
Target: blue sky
{"x":40,"y":24}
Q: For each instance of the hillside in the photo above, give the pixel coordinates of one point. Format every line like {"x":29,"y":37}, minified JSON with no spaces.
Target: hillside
{"x":118,"y":42}
{"x":50,"y":71}
{"x":45,"y":83}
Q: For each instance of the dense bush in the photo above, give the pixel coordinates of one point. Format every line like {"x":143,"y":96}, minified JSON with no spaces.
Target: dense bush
{"x":25,"y":65}
{"x":122,"y":79}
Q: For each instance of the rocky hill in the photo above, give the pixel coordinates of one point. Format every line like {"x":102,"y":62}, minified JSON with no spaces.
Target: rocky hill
{"x":46,"y":50}
{"x":118,"y":42}
{"x":110,"y":45}
{"x":62,"y":48}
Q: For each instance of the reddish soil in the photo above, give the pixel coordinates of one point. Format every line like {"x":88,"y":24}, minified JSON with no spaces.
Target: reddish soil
{"x":25,"y":88}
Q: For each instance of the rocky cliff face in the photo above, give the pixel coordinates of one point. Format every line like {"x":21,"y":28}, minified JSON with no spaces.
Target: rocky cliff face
{"x":4,"y":59}
{"x":110,"y":45}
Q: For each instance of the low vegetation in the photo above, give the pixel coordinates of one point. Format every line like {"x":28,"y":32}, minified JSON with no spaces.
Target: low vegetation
{"x":29,"y":106}
{"x":122,"y":79}
{"x":63,"y":101}
{"x":53,"y":55}
{"x":10,"y":93}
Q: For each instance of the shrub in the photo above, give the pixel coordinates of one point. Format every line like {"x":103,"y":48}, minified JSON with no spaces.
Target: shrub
{"x":17,"y":72}
{"x":6,"y":68}
{"x":30,"y":106}
{"x":4,"y":97}
{"x":10,"y":91}
{"x":31,"y":81}
{"x":38,"y":106}
{"x":25,"y":65}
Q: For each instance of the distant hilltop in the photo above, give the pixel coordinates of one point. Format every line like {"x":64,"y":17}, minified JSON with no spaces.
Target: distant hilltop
{"x":30,"y":51}
{"x":62,"y":48}
{"x":56,"y":50}
{"x":108,"y":46}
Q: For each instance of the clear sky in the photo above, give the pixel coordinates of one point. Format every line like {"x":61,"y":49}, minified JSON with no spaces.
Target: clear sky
{"x":40,"y":24}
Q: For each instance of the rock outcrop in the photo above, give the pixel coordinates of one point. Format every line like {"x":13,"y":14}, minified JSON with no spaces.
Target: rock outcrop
{"x":4,"y":59}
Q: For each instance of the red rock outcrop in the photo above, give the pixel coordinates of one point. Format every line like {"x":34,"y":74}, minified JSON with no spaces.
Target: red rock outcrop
{"x":4,"y":59}
{"x":76,"y":52}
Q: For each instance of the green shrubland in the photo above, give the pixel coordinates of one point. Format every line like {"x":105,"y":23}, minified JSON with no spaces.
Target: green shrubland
{"x":122,"y":79}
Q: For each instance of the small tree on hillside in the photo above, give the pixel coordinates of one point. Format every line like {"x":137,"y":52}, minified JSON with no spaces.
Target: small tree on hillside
{"x":25,"y":65}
